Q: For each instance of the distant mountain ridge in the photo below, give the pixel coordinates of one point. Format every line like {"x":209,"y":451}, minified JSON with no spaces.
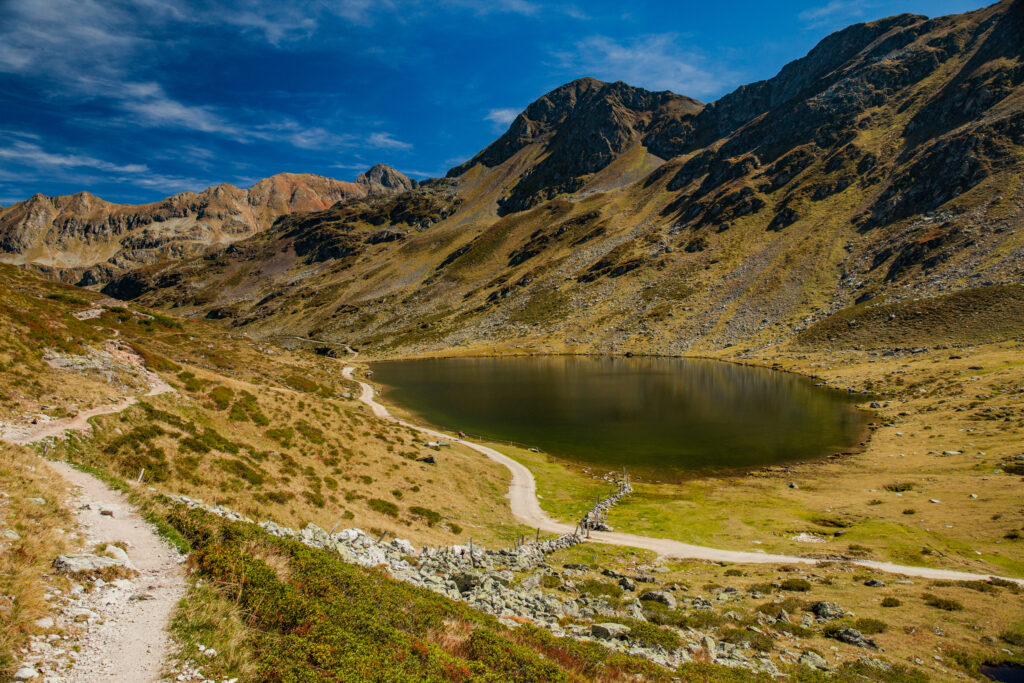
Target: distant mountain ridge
{"x":85,"y":240}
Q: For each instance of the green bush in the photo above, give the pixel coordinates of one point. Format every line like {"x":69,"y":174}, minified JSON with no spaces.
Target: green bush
{"x":312,"y":434}
{"x":869,"y":626}
{"x":798,"y":585}
{"x":891,"y":602}
{"x":283,"y":435}
{"x":429,"y":515}
{"x":942,"y":603}
{"x":241,"y":470}
{"x":648,"y":634}
{"x":221,"y":397}
{"x":597,"y":588}
{"x":758,"y":641}
{"x":900,"y":486}
{"x":67,"y":298}
{"x":1014,"y":635}
{"x":384,"y":507}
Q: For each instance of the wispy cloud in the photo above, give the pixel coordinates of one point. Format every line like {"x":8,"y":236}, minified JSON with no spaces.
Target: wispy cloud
{"x":101,"y":53}
{"x":387,"y":141}
{"x":502,"y":117}
{"x":30,"y":154}
{"x":656,"y":62}
{"x":835,"y":11}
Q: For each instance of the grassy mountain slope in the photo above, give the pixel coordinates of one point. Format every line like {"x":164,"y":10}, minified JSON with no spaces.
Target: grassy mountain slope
{"x":268,"y":432}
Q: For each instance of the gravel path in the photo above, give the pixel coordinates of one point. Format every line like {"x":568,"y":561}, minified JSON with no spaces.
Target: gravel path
{"x":522,"y":495}
{"x":125,"y":637}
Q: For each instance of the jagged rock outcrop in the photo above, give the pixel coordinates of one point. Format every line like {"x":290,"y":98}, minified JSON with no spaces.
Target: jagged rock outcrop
{"x":386,"y":178}
{"x":581,"y":127}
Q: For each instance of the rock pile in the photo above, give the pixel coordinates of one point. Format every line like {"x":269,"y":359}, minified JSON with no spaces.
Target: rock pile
{"x":487,"y":580}
{"x":596,"y":516}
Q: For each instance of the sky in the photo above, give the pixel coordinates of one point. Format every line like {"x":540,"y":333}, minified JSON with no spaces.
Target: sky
{"x":135,"y":101}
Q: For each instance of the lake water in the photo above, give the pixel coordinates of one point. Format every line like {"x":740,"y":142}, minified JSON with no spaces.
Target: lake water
{"x":664,"y":419}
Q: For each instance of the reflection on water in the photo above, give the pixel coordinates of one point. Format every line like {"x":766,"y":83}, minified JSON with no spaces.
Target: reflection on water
{"x":663,"y":418}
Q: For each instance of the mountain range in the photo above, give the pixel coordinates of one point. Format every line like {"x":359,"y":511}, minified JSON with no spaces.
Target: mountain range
{"x":84,"y":240}
{"x":884,"y":166}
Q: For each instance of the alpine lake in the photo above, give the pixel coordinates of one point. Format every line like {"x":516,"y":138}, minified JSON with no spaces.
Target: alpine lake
{"x":663,"y":419}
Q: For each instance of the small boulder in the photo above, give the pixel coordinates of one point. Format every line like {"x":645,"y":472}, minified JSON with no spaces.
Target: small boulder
{"x":609,"y":631}
{"x":467,"y":580}
{"x":44,"y":623}
{"x":814,"y":660}
{"x":25,"y":673}
{"x":85,"y":562}
{"x":627,"y":584}
{"x":664,"y":597}
{"x":874,"y":583}
{"x":828,"y":610}
{"x":852,"y":636}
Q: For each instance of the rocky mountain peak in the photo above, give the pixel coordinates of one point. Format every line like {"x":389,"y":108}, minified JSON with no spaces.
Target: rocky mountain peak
{"x":382,"y":175}
{"x":582,"y":127}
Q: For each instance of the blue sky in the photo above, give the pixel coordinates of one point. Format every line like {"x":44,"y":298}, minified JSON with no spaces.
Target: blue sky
{"x":134,"y":101}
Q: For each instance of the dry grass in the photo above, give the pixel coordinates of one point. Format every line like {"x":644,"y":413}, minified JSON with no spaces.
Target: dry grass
{"x":205,"y":617}
{"x":25,"y":562}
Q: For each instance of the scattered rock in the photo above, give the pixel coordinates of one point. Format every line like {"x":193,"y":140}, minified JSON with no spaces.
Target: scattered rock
{"x":627,"y":584}
{"x":814,"y":660}
{"x":852,"y":636}
{"x":874,"y":583}
{"x":609,"y":631}
{"x":828,"y":610}
{"x":25,"y":673}
{"x":664,"y":597}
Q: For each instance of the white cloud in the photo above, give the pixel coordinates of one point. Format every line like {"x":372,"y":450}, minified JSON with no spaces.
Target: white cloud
{"x":655,"y":62}
{"x":31,"y":154}
{"x":386,"y":141}
{"x":502,"y":117}
{"x":101,"y":53}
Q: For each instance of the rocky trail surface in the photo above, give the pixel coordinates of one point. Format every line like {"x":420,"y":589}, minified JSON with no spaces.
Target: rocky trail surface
{"x":522,"y":495}
{"x":117,"y":629}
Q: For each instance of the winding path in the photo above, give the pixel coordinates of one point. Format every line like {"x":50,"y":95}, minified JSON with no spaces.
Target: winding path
{"x":130,"y":642}
{"x":522,"y":496}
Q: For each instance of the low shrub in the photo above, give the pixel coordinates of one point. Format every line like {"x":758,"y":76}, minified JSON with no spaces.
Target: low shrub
{"x":736,"y":636}
{"x":891,"y":602}
{"x":429,"y":515}
{"x":869,"y":626}
{"x":798,"y":585}
{"x":594,"y":587}
{"x":942,"y":603}
{"x":384,"y":507}
{"x":221,"y":397}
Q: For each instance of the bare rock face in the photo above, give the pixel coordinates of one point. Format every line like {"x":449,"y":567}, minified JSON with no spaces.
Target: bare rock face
{"x":583,"y":126}
{"x":387,"y":178}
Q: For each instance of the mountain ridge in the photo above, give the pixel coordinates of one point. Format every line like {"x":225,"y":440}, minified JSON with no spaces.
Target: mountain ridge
{"x":84,"y":239}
